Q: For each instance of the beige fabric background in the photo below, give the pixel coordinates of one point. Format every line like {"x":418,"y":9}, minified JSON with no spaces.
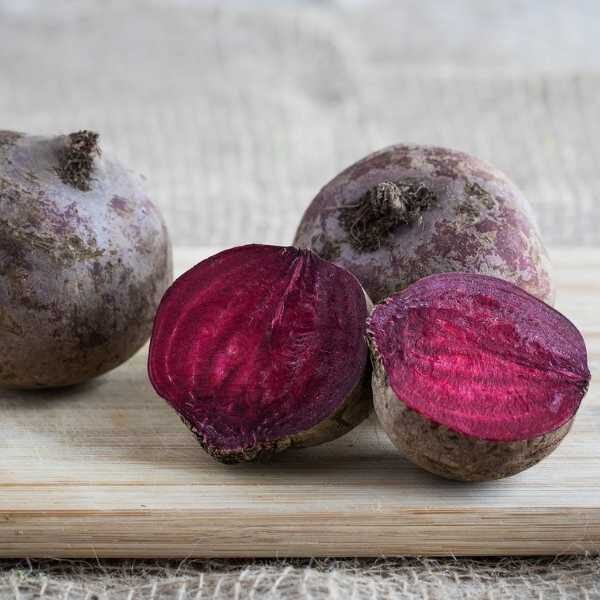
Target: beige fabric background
{"x":237,"y":112}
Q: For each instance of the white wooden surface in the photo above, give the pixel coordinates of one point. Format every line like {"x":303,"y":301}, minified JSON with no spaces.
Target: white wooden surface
{"x":108,"y":469}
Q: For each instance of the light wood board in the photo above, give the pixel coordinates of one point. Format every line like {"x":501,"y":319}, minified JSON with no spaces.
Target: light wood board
{"x":107,"y":469}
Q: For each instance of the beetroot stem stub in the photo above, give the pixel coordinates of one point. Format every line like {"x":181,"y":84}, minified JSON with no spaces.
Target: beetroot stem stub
{"x":260,"y":348}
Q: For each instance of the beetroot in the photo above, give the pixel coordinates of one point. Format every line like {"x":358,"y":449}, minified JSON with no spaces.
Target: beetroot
{"x":260,"y":348}
{"x":406,"y":212}
{"x":474,"y":378}
{"x":84,"y":260}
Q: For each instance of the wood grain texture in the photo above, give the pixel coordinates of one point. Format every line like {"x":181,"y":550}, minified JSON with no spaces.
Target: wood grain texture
{"x":107,"y":469}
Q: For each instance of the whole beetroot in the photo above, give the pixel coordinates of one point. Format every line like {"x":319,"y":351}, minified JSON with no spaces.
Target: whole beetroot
{"x":406,"y":212}
{"x":473,"y":378}
{"x":84,"y":260}
{"x":263,"y":348}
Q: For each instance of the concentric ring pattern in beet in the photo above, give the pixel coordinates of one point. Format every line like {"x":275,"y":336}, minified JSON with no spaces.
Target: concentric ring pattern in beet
{"x":481,"y":357}
{"x":259,"y":343}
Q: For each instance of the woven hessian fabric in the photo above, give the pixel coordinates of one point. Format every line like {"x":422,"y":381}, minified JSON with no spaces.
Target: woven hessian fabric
{"x":238,"y":112}
{"x":408,"y":578}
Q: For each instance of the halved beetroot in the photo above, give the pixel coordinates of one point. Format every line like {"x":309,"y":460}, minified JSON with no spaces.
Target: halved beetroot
{"x":473,"y":377}
{"x":260,"y":348}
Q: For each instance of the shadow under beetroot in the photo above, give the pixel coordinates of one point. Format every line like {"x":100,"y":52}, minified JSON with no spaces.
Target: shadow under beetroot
{"x":34,"y":399}
{"x":363,"y":455}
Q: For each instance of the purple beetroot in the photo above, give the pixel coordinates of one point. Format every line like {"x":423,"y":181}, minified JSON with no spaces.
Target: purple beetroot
{"x":406,"y":212}
{"x":84,"y":260}
{"x":474,"y":378}
{"x":260,"y":348}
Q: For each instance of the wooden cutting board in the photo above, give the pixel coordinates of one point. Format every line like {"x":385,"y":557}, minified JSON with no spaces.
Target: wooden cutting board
{"x":107,"y":469}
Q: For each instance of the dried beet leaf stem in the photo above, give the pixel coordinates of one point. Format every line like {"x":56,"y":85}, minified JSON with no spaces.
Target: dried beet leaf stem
{"x":76,"y":160}
{"x":383,"y":208}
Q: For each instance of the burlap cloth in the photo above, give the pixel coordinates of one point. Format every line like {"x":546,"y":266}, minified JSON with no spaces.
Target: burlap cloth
{"x":238,"y":112}
{"x":409,"y":578}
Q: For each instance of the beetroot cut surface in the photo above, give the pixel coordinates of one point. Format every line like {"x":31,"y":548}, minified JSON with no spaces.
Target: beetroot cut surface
{"x":260,"y":348}
{"x":465,"y":358}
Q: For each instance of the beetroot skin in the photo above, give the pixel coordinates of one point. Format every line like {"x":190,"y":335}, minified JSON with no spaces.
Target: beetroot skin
{"x":406,"y":212}
{"x":84,"y":260}
{"x":260,"y":348}
{"x":474,"y":378}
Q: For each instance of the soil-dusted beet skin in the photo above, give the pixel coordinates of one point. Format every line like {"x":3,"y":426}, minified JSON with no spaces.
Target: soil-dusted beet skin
{"x":260,"y":348}
{"x":473,"y":378}
{"x":406,"y":212}
{"x":84,"y":260}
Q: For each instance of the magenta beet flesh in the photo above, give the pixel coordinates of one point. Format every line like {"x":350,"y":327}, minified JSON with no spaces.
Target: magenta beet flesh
{"x":258,"y":346}
{"x":479,"y":357}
